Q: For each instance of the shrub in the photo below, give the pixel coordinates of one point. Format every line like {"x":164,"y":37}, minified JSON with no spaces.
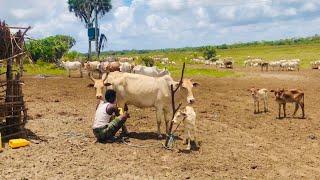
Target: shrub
{"x":148,"y":61}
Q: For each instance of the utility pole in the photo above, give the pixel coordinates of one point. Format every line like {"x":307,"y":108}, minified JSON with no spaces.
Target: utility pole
{"x":96,"y":27}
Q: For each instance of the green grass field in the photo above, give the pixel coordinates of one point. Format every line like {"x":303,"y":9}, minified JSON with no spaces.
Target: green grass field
{"x":306,"y":53}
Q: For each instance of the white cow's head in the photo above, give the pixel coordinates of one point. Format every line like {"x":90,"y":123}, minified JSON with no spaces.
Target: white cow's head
{"x":186,"y":88}
{"x":99,"y":85}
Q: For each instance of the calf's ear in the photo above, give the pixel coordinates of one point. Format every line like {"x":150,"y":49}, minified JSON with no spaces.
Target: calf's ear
{"x":195,"y":84}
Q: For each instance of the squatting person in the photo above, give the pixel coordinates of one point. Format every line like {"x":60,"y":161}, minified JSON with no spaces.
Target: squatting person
{"x":105,"y":126}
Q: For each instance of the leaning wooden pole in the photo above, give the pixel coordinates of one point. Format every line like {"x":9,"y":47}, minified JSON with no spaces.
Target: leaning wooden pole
{"x":174,"y":108}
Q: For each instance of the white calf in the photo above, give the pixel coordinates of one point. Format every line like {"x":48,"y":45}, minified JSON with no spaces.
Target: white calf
{"x":259,"y":95}
{"x":75,"y":65}
{"x":188,"y":118}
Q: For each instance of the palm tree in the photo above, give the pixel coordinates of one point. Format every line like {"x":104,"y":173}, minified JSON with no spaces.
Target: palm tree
{"x":83,"y":9}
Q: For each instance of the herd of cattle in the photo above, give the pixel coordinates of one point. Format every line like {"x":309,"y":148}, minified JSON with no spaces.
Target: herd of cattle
{"x":227,"y":62}
{"x":106,"y":66}
{"x":284,"y":65}
{"x":280,"y":65}
{"x":145,"y":87}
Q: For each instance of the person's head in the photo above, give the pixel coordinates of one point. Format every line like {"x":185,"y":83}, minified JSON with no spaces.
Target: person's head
{"x":110,"y":96}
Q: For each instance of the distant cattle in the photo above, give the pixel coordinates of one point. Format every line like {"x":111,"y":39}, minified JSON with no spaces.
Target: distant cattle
{"x":92,"y":67}
{"x":105,"y":67}
{"x":315,"y":64}
{"x":126,"y":67}
{"x":150,"y":71}
{"x":74,"y":65}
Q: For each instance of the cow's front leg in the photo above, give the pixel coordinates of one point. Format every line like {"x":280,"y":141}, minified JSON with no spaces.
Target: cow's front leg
{"x":159,"y":111}
{"x":284,"y":110}
{"x":167,"y":118}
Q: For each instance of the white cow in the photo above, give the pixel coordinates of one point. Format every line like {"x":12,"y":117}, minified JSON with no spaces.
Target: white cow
{"x":315,"y":64}
{"x":275,"y":64}
{"x":188,"y":118}
{"x":126,"y":67}
{"x":144,"y":91}
{"x":150,"y":71}
{"x":74,"y":65}
{"x":92,"y":66}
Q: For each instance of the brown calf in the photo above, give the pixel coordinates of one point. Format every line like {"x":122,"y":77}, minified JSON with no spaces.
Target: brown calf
{"x":289,"y":96}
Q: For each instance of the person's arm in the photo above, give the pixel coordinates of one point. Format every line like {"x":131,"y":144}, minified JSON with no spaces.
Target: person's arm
{"x":113,"y":109}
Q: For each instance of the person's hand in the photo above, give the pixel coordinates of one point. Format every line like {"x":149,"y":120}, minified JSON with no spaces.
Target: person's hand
{"x":125,"y":107}
{"x":126,"y":115}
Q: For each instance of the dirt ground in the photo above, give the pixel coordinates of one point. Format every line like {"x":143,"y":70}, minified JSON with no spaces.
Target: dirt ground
{"x":235,"y":143}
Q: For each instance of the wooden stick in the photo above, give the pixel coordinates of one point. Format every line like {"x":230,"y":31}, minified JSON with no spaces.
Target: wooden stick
{"x":174,"y":109}
{"x":1,"y":60}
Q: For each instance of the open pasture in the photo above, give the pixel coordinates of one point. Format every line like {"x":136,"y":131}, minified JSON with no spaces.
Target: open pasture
{"x":235,"y":142}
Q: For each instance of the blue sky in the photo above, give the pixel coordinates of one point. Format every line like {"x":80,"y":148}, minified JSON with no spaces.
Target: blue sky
{"x":153,"y":24}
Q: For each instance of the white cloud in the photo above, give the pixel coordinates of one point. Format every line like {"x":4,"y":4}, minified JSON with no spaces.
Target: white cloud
{"x":144,"y":24}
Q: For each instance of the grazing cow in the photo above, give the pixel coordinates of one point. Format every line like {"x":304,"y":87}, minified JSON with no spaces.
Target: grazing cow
{"x":144,"y":91}
{"x":259,"y":95}
{"x":315,"y":64}
{"x":74,"y":65}
{"x":106,"y":66}
{"x":150,"y":71}
{"x":219,"y":63}
{"x":228,"y":64}
{"x":188,"y":118}
{"x":126,"y":67}
{"x":264,"y":65}
{"x":275,"y":64}
{"x":289,"y":96}
{"x":92,"y":67}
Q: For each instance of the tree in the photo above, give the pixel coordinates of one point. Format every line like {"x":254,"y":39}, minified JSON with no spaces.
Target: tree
{"x":209,"y":52}
{"x":83,"y":9}
{"x":50,"y":49}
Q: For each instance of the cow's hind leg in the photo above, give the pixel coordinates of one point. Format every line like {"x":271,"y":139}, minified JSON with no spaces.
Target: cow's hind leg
{"x":284,"y":110}
{"x":279,"y":111}
{"x":295,"y":109}
{"x":302,"y":108}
